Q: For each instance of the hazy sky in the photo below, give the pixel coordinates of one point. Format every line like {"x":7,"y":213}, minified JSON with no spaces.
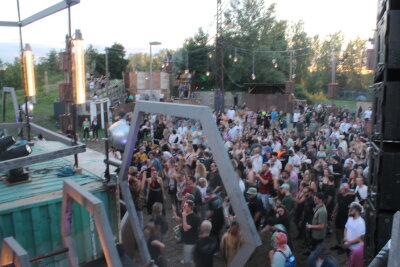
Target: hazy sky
{"x":135,"y":23}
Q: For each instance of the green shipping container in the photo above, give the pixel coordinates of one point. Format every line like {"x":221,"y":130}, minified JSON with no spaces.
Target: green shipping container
{"x":31,"y":213}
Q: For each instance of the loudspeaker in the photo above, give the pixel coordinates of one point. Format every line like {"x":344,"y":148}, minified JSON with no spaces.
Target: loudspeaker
{"x":384,"y":178}
{"x":59,"y":109}
{"x":387,"y":42}
{"x":378,"y":231}
{"x":384,"y":5}
{"x":386,"y":108}
{"x":65,"y":92}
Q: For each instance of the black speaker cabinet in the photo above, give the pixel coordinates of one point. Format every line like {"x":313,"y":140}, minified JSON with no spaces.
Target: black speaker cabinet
{"x":386,"y":108}
{"x":384,"y":5}
{"x":387,"y":44}
{"x":378,"y":231}
{"x":384,"y":181}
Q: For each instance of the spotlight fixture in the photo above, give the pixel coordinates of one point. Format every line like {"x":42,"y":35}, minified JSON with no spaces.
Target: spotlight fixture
{"x":18,"y":174}
{"x":6,"y":142}
{"x":16,"y":152}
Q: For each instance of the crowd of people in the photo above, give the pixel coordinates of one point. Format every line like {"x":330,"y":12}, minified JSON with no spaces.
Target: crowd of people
{"x":303,"y":176}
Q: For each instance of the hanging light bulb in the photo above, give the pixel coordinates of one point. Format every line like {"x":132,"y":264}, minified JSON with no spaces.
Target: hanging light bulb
{"x":210,"y":55}
{"x":162,"y":66}
{"x":235,"y":59}
{"x":186,"y":71}
{"x":276,"y":65}
{"x":293,"y":76}
{"x":253,"y":76}
{"x":207,"y":73}
{"x":230,"y":56}
{"x":273,"y":61}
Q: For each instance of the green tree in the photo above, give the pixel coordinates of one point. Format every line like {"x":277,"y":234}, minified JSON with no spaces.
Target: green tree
{"x":301,"y":43}
{"x":116,"y":60}
{"x":254,"y":32}
{"x":12,"y":74}
{"x":352,"y":66}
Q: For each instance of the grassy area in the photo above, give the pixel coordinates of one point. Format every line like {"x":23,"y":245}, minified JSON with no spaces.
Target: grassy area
{"x":341,"y":103}
{"x":43,"y":112}
{"x":43,"y":109}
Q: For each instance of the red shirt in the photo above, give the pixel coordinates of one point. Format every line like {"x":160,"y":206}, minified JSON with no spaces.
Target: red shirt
{"x":187,"y":190}
{"x":266,"y":188}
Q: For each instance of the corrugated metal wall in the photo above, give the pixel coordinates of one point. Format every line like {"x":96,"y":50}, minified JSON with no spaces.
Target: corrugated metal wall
{"x":38,"y":229}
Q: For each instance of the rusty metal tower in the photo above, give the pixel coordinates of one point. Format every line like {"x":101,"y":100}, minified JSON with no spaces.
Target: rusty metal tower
{"x":219,"y":61}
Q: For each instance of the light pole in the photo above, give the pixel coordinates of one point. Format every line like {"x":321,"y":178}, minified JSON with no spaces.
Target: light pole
{"x":151,"y":64}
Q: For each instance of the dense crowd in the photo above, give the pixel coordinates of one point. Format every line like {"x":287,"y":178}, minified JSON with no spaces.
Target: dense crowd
{"x":302,"y":174}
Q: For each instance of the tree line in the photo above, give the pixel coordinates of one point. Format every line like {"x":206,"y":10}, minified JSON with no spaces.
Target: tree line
{"x":254,"y":40}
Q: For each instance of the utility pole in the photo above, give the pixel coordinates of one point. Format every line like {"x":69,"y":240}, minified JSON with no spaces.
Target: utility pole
{"x":333,"y":86}
{"x":107,"y":72}
{"x":219,"y":63}
{"x":333,"y":66}
{"x":291,"y":66}
{"x":46,"y":81}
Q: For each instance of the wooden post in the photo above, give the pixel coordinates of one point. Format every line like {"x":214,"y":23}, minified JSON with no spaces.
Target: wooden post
{"x":46,"y":81}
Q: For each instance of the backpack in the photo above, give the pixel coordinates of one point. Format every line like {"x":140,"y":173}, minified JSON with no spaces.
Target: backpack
{"x":290,"y":261}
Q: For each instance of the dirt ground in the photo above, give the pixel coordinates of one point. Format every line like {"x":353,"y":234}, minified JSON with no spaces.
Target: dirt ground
{"x":173,"y":251}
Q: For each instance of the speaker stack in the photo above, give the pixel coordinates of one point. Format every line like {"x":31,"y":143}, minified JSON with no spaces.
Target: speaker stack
{"x":384,"y":174}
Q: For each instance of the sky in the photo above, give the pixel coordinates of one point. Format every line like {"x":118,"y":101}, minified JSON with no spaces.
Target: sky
{"x":135,"y":23}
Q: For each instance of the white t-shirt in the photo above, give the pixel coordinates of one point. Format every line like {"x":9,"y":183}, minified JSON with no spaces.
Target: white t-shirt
{"x":242,"y":185}
{"x":276,"y":147}
{"x":296,"y":117}
{"x":182,"y":130}
{"x":355,"y":229}
{"x":363,"y":191}
{"x":257,"y":163}
{"x":231,"y":114}
{"x":367,"y":114}
{"x":295,"y":160}
{"x":275,"y":172}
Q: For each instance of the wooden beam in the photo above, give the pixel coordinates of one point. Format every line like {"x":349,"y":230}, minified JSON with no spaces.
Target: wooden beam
{"x":12,"y":125}
{"x":72,"y":191}
{"x":32,"y":159}
{"x":52,"y":135}
{"x":9,"y":24}
{"x":13,"y":253}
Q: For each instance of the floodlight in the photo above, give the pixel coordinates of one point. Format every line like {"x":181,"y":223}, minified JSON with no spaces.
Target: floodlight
{"x":16,"y":152}
{"x":6,"y":142}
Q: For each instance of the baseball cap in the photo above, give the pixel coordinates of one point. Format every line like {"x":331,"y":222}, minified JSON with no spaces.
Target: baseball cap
{"x":285,"y":186}
{"x":153,"y":168}
{"x":356,"y":206}
{"x":252,"y":191}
